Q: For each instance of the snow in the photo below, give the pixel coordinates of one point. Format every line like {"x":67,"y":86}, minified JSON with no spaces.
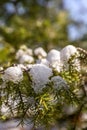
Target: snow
{"x":40,"y":75}
{"x":53,"y":55}
{"x":58,"y":82}
{"x":40,"y":52}
{"x":29,"y":52}
{"x":13,"y":74}
{"x":67,"y":52}
{"x":19,"y":53}
{"x":24,"y":55}
{"x":54,"y":59}
{"x":57,"y":66}
{"x":43,"y":61}
{"x":26,"y":59}
{"x":21,"y":66}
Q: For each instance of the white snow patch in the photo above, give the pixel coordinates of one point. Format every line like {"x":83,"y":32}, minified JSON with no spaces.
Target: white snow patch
{"x":13,"y":74}
{"x":26,"y":59}
{"x":53,"y":55}
{"x":40,"y":52}
{"x":67,"y":52}
{"x":58,"y":82}
{"x":40,"y":76}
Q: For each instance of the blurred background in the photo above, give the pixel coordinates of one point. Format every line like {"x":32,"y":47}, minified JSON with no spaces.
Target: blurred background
{"x":45,"y":23}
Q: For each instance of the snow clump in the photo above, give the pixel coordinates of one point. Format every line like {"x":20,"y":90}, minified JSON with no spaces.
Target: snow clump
{"x":43,"y":61}
{"x":58,"y":82}
{"x":54,"y":59}
{"x":40,"y":75}
{"x":13,"y":74}
{"x":24,"y":55}
{"x":40,"y":53}
{"x":53,"y":55}
{"x":26,"y":59}
{"x":67,"y":52}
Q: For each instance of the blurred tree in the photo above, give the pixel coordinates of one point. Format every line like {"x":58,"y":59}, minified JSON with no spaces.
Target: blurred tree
{"x":33,"y":22}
